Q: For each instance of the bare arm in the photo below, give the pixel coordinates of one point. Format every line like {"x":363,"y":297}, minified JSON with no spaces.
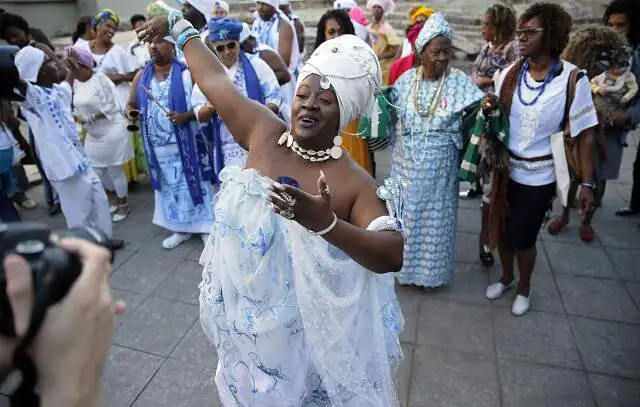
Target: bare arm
{"x":118,"y":78}
{"x":380,"y":252}
{"x":242,"y":116}
{"x":286,"y":39}
{"x":586,"y":152}
{"x":132,"y":104}
{"x":299,"y":34}
{"x":277,"y":66}
{"x":633,"y":89}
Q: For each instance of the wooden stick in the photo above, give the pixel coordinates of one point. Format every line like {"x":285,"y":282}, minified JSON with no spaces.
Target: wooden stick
{"x":154,"y":100}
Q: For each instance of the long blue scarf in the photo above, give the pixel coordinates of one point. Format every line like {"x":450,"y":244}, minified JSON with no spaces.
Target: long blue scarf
{"x":184,"y":133}
{"x":212,"y":129}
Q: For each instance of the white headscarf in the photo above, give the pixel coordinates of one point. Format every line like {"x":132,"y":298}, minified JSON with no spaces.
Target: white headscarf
{"x":387,"y":5}
{"x":29,"y":60}
{"x":203,"y":6}
{"x":344,"y":4}
{"x":246,"y":33}
{"x":353,"y":70}
{"x":221,"y":4}
{"x":273,"y":3}
{"x":435,"y":26}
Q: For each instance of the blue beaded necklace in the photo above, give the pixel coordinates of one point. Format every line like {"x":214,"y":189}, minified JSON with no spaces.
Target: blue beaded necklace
{"x":522,"y":80}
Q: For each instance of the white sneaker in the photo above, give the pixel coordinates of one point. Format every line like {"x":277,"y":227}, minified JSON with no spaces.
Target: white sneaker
{"x":204,"y":237}
{"x":175,"y":240}
{"x":113,"y":209}
{"x":520,"y":305}
{"x":495,"y":290}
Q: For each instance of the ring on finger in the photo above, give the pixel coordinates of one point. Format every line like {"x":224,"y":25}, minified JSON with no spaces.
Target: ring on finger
{"x":326,"y":190}
{"x":287,"y":214}
{"x":291,"y":201}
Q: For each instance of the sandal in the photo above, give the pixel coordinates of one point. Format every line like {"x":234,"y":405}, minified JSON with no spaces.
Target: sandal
{"x":486,"y":256}
{"x":587,"y":234}
{"x":557,"y":225}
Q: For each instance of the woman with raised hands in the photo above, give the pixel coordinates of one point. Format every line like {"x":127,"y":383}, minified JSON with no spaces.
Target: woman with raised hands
{"x":297,"y":291}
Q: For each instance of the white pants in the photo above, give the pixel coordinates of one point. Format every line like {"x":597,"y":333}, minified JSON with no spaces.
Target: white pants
{"x":113,"y":179}
{"x":84,"y":202}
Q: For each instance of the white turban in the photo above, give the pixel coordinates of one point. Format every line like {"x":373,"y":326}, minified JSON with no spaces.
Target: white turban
{"x":344,"y":4}
{"x":221,"y":4}
{"x":353,"y":70}
{"x":387,"y":5}
{"x":29,"y":60}
{"x":203,"y":6}
{"x":273,"y":3}
{"x":246,"y":33}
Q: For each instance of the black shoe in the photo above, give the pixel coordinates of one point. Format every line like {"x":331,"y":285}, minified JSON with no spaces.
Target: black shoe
{"x":54,"y":209}
{"x":116,"y":244}
{"x":486,"y":257}
{"x":627,"y":212}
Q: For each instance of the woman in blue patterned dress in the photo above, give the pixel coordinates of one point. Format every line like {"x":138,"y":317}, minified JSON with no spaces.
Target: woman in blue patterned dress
{"x":297,"y":289}
{"x":430,"y":100}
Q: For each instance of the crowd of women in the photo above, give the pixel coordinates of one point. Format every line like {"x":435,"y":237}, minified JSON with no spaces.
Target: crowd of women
{"x":244,"y":145}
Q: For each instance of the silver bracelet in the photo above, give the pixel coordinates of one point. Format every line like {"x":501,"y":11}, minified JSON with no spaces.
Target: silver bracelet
{"x":179,"y":27}
{"x":327,"y":230}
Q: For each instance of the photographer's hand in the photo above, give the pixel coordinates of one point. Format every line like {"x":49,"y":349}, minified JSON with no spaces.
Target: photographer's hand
{"x":76,"y":333}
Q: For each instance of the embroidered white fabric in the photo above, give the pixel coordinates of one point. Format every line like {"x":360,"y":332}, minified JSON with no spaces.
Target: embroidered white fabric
{"x":295,"y":321}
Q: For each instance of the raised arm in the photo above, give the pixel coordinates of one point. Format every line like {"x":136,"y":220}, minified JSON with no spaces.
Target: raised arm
{"x":243,"y":117}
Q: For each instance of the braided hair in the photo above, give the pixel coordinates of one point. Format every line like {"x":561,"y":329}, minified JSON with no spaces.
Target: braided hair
{"x":503,"y":21}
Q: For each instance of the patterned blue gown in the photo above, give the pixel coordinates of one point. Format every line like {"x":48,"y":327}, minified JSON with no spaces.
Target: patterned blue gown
{"x":174,"y":208}
{"x":427,"y":155}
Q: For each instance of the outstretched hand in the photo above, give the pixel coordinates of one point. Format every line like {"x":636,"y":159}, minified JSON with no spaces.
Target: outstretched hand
{"x":311,"y":211}
{"x":154,"y":29}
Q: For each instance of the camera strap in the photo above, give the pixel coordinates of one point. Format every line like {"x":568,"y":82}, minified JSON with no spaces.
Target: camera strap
{"x":25,"y":395}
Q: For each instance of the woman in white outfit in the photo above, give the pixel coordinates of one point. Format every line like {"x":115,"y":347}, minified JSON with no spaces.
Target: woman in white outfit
{"x":108,"y":144}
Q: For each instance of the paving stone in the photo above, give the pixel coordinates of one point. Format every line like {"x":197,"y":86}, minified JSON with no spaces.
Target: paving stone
{"x":468,"y":283}
{"x":136,"y":234}
{"x":409,"y":298}
{"x":402,"y":376}
{"x":553,"y":344}
{"x":4,"y":401}
{"x":195,"y":347}
{"x":625,"y":263}
{"x":597,"y":298}
{"x":469,"y":220}
{"x":157,"y":326}
{"x":144,"y":272}
{"x":624,"y":235}
{"x":456,"y":326}
{"x":527,"y":385}
{"x":121,"y":257}
{"x":181,"y":384}
{"x":613,"y":392}
{"x":580,"y":259}
{"x":544,"y":292}
{"x":447,"y":379}
{"x":634,"y":290}
{"x":466,"y":249}
{"x":133,"y":301}
{"x":608,"y":347}
{"x":182,"y":284}
{"x":195,"y":254}
{"x":154,"y":246}
{"x":126,"y":373}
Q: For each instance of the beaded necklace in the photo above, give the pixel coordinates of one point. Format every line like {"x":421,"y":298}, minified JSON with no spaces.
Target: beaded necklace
{"x":522,"y":80}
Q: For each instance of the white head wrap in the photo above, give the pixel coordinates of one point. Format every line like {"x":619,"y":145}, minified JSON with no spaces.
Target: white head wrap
{"x":203,"y":6}
{"x":169,"y":38}
{"x":353,"y":70}
{"x":435,"y":26}
{"x":272,"y":3}
{"x":246,"y":33}
{"x":29,"y":60}
{"x":344,"y":4}
{"x":387,"y":5}
{"x":221,"y":4}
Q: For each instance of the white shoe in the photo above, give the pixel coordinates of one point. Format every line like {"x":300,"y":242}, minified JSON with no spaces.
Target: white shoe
{"x":113,"y":209}
{"x":520,"y":305}
{"x":495,"y":290}
{"x":175,"y":240}
{"x":204,"y":237}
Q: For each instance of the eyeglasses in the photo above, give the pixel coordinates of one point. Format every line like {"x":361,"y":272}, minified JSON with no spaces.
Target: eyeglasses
{"x":229,"y":45}
{"x":528,"y":32}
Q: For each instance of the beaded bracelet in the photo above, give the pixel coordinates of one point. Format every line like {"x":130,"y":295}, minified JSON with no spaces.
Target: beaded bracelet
{"x":186,"y":36}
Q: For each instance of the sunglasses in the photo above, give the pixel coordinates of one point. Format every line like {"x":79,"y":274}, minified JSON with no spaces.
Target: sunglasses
{"x":228,"y":45}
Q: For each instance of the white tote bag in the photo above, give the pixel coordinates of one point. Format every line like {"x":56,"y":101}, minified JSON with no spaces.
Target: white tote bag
{"x":563,"y":178}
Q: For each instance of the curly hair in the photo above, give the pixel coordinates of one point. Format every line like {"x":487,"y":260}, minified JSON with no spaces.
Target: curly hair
{"x":630,"y":8}
{"x":503,"y":21}
{"x":556,"y":23}
{"x":588,"y":43}
{"x":12,"y":20}
{"x":343,"y":20}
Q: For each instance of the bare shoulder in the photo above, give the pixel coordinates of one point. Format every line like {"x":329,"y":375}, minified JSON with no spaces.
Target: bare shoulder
{"x":366,"y":205}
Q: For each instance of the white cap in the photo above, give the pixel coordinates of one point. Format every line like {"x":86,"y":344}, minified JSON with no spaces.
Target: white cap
{"x":29,"y":60}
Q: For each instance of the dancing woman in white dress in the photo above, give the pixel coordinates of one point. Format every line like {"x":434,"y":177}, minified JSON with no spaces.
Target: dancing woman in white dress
{"x":297,"y":291}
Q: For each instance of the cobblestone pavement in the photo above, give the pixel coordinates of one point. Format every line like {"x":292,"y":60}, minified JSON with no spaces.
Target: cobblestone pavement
{"x":578,"y":346}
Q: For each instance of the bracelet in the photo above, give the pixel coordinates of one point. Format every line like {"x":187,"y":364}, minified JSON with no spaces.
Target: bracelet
{"x":588,"y":184}
{"x":186,"y":35}
{"x":327,"y":230}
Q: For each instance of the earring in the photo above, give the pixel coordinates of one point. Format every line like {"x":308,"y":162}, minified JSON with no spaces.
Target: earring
{"x":336,"y":150}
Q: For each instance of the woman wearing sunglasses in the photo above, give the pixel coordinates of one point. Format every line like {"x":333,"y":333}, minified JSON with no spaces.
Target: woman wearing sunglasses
{"x":250,"y":74}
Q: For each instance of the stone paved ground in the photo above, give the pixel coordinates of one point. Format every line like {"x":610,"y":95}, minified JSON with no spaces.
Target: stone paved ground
{"x":579,"y":346}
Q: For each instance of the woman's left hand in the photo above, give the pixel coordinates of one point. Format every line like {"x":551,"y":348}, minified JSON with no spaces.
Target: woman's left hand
{"x":585,"y":200}
{"x":154,"y":29}
{"x":311,"y":211}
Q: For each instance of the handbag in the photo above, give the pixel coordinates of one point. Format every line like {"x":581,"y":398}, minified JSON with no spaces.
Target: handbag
{"x":564,"y":148}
